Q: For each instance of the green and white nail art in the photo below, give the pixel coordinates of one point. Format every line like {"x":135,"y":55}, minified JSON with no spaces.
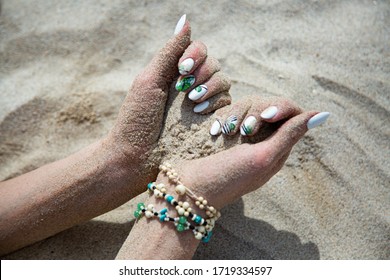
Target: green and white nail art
{"x":185,"y":82}
{"x":229,"y":125}
{"x":248,"y":126}
{"x":197,"y":92}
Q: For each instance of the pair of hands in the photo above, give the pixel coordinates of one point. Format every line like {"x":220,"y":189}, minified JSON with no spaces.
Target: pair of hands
{"x":224,"y":176}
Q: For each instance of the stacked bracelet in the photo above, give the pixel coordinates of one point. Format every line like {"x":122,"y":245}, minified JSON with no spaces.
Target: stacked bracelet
{"x":182,"y":208}
{"x":180,"y":223}
{"x":180,"y":189}
{"x":203,"y":226}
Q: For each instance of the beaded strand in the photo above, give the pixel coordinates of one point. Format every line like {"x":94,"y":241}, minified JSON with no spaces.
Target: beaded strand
{"x":202,"y":228}
{"x":180,"y":223}
{"x":180,"y":189}
{"x":182,"y":208}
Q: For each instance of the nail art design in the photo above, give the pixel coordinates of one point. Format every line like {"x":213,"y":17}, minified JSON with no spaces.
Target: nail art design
{"x":317,"y":120}
{"x":248,"y":126}
{"x":197,"y":92}
{"x":216,"y":128}
{"x":201,"y":106}
{"x":269,"y":113}
{"x":185,"y":82}
{"x":180,"y":24}
{"x":229,"y":125}
{"x":186,"y":66}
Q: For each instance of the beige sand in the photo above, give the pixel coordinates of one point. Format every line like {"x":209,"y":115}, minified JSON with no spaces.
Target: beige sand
{"x":65,"y":69}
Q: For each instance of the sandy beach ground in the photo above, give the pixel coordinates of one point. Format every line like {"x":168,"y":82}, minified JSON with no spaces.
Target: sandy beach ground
{"x":65,"y":67}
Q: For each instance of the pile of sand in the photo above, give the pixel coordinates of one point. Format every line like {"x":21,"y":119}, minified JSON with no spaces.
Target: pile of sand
{"x":65,"y":67}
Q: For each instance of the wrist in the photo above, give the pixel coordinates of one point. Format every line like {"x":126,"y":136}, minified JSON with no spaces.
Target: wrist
{"x":195,"y":211}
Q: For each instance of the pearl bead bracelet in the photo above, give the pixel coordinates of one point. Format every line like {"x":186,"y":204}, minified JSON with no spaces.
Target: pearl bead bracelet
{"x":203,"y":227}
{"x":182,"y":208}
{"x":180,"y":189}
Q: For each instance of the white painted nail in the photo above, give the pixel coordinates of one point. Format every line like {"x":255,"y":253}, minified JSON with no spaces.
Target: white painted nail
{"x":317,"y":120}
{"x":269,"y":113}
{"x":197,"y":92}
{"x":201,"y":106}
{"x":186,"y":66}
{"x":248,"y":126}
{"x":229,"y":125}
{"x":180,"y":24}
{"x":216,"y":128}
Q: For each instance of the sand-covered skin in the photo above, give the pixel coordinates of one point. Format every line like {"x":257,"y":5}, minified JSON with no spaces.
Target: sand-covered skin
{"x":65,"y":69}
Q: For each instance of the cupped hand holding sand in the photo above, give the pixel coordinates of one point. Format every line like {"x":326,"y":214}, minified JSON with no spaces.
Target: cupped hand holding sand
{"x":139,"y":125}
{"x":218,"y":179}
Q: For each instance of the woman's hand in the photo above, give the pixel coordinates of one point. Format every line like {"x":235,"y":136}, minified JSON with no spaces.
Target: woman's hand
{"x":225,"y":176}
{"x":140,"y":120}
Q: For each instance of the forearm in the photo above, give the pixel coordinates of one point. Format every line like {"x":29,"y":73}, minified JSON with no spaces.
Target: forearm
{"x":62,"y":194}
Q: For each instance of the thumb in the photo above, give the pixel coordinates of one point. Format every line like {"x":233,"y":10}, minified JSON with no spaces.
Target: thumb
{"x":162,"y":70}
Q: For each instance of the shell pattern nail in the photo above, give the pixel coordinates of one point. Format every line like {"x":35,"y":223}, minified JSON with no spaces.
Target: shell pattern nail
{"x":248,"y":126}
{"x":229,"y":125}
{"x":185,"y":82}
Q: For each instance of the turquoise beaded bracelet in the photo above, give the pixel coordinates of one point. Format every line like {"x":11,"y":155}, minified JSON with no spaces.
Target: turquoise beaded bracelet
{"x":203,"y":227}
{"x":182,"y":208}
{"x":180,"y":223}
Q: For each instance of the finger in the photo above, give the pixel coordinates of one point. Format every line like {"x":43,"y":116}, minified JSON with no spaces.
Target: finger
{"x":270,"y":110}
{"x":280,"y":109}
{"x":219,"y":82}
{"x":228,"y":120}
{"x":193,"y":56}
{"x":199,"y":76}
{"x":214,"y":103}
{"x":162,"y":70}
{"x":292,"y":130}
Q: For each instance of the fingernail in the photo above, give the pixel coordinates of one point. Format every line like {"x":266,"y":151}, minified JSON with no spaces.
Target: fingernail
{"x":197,"y":92}
{"x":317,"y":120}
{"x":215,"y":128}
{"x":180,"y":24}
{"x":229,"y":125}
{"x":201,"y":106}
{"x":185,"y":82}
{"x":186,"y":66}
{"x":248,"y":126}
{"x":269,"y":113}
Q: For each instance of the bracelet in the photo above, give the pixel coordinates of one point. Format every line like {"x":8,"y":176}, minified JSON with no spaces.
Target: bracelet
{"x":202,"y":229}
{"x":182,"y":190}
{"x":180,"y":223}
{"x":182,"y":208}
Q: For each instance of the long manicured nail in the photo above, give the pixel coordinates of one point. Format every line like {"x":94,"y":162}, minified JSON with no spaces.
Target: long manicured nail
{"x":269,"y":113}
{"x":186,"y":66}
{"x":201,"y":106}
{"x":317,"y":120}
{"x":216,"y":128}
{"x":185,"y":82}
{"x":248,"y":126}
{"x":180,"y":24}
{"x":197,"y":92}
{"x":229,"y":125}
